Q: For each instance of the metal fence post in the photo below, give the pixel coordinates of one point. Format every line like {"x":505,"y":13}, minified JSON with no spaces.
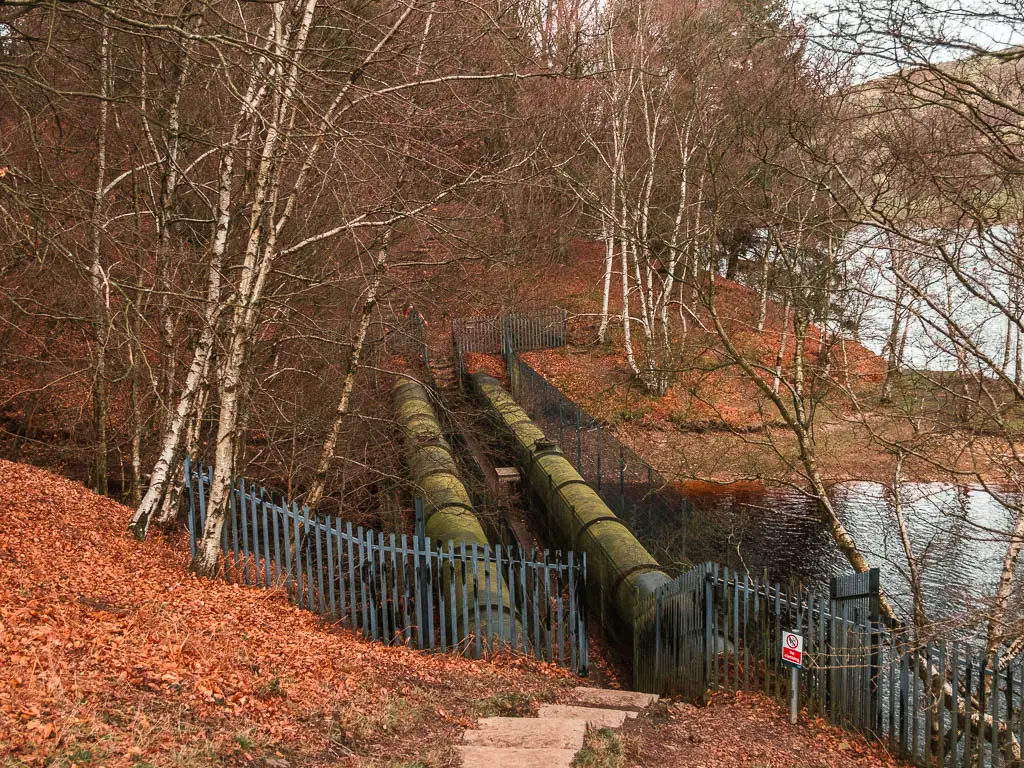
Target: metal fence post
{"x":191,"y":507}
{"x":657,"y":635}
{"x":579,"y":443}
{"x":710,"y":641}
{"x":622,"y":479}
{"x":422,"y":572}
{"x":875,"y":622}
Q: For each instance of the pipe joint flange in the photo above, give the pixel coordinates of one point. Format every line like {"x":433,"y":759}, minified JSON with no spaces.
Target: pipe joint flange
{"x":595,"y":521}
{"x":580,"y":481}
{"x":635,"y":569}
{"x":446,"y":504}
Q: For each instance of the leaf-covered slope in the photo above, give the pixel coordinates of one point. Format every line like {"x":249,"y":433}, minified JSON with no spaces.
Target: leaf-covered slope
{"x":113,"y":655}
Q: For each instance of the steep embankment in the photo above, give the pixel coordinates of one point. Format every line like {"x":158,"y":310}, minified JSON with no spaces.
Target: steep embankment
{"x":713,"y":423}
{"x":113,"y":655}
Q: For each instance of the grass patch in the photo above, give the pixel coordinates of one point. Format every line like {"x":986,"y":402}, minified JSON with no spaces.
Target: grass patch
{"x":75,"y":755}
{"x":244,"y":741}
{"x":369,"y":722}
{"x":506,"y":704}
{"x":436,"y":757}
{"x":601,"y":749}
{"x":271,"y":689}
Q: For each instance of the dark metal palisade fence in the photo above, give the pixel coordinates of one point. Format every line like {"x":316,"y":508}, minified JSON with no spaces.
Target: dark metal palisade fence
{"x":936,"y":703}
{"x":538,"y":329}
{"x":399,"y":589}
{"x":634,"y":490}
{"x":416,"y":329}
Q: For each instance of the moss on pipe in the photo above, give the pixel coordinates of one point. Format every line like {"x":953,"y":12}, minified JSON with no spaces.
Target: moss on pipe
{"x":619,"y":568}
{"x":449,"y":511}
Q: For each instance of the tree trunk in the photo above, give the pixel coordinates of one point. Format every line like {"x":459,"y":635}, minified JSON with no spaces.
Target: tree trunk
{"x":780,"y":356}
{"x":169,"y":458}
{"x":101,"y":321}
{"x":762,"y":293}
{"x":1007,"y":344}
{"x":1018,"y":363}
{"x":795,"y":418}
{"x":913,"y":563}
{"x":997,"y":629}
{"x":204,"y":562}
{"x":732,"y":261}
{"x":175,"y":485}
{"x":316,"y":491}
{"x":609,"y":257}
{"x":892,"y":348}
{"x":1018,"y":353}
{"x":170,"y":453}
{"x":626,"y":327}
{"x":135,"y":353}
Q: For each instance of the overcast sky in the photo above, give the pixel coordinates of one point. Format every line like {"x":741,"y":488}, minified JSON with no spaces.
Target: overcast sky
{"x":988,"y":24}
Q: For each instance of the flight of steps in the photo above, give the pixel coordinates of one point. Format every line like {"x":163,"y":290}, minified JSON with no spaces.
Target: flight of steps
{"x":552,"y":739}
{"x":445,"y":375}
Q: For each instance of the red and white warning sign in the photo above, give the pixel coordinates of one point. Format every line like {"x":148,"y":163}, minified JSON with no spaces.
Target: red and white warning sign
{"x":793,"y":649}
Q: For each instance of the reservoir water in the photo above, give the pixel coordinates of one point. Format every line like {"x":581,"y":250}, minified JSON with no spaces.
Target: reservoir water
{"x":957,"y":532}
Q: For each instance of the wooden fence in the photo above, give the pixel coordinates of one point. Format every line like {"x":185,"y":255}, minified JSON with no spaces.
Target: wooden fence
{"x":399,"y":589}
{"x":936,"y":703}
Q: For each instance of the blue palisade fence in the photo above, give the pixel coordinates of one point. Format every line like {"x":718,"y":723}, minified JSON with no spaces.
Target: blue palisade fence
{"x":395,"y":588}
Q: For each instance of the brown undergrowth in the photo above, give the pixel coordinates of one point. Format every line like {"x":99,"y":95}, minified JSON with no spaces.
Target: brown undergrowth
{"x":743,"y":730}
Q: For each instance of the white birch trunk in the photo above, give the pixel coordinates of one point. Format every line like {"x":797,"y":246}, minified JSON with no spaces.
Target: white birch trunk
{"x":609,"y":258}
{"x":316,"y":490}
{"x":777,"y":381}
{"x":626,"y":329}
{"x":762,"y":293}
{"x":169,"y":458}
{"x":98,"y":277}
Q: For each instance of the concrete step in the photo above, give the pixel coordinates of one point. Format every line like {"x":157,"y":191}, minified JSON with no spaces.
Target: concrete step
{"x":527,"y":732}
{"x":507,"y":757}
{"x":594,"y":716}
{"x":612,"y":699}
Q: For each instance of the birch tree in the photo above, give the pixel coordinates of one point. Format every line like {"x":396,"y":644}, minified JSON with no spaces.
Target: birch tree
{"x":248,"y":156}
{"x":646,"y":184}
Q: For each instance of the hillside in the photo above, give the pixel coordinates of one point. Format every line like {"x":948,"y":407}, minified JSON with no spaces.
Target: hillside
{"x":713,"y":424}
{"x":114,"y":656}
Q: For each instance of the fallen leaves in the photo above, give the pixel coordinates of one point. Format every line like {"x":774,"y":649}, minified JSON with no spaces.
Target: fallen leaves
{"x":110,"y":649}
{"x":476,"y":362}
{"x":746,"y":729}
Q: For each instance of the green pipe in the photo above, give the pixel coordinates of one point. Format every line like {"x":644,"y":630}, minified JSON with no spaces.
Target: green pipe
{"x":449,"y":513}
{"x":619,"y":568}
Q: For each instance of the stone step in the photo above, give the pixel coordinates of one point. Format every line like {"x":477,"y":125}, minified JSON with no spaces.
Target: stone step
{"x":608,"y":698}
{"x":594,"y":716}
{"x":527,"y":732}
{"x":510,"y":757}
